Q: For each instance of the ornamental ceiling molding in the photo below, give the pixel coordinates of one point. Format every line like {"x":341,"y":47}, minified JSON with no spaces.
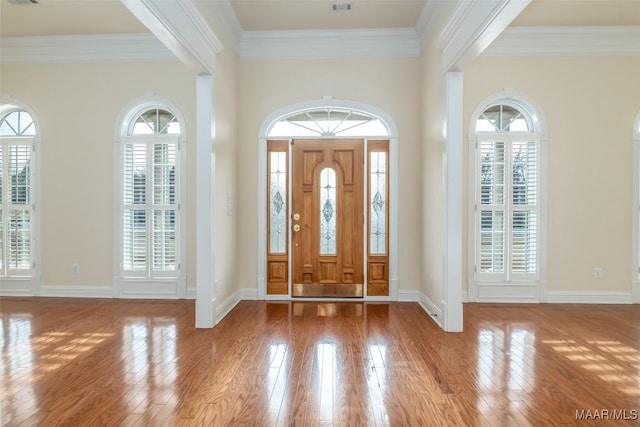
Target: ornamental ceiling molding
{"x":145,"y":47}
{"x":566,"y":41}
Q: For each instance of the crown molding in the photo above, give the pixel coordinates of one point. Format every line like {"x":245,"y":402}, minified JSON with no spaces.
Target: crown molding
{"x":374,"y":43}
{"x":567,"y":41}
{"x":83,"y":48}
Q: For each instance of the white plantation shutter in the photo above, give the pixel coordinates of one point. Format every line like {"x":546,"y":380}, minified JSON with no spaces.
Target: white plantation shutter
{"x":524,"y":229}
{"x":492,"y":207}
{"x":135,"y":199}
{"x":506,"y":196}
{"x":150,"y":205}
{"x":164,"y":207}
{"x":16,"y":206}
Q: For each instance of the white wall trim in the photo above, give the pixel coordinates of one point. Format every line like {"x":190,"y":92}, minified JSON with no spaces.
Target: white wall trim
{"x":374,"y":43}
{"x":248,"y":294}
{"x":432,"y":19}
{"x":452,"y":209}
{"x":594,"y":297}
{"x":205,"y":202}
{"x":228,"y":19}
{"x":472,"y":27}
{"x":84,"y":291}
{"x":227,"y":305}
{"x":408,"y":295}
{"x":566,"y":41}
{"x":180,"y":26}
{"x":83,"y":48}
{"x":191,"y":293}
{"x":431,"y":309}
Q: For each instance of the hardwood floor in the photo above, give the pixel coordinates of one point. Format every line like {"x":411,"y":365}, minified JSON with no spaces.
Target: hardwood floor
{"x":122,"y":362}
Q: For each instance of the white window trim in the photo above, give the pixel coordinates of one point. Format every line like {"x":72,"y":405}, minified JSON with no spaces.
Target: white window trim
{"x":157,"y":287}
{"x":28,"y":285}
{"x":635,"y":215}
{"x":530,"y":290}
{"x":329,"y":102}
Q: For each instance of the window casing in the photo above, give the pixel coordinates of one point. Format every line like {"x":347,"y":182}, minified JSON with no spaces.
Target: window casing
{"x":507,"y":193}
{"x":151,"y":196}
{"x":17,"y":215}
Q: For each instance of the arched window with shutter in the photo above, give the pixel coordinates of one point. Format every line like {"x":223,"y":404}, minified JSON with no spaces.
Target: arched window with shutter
{"x":506,"y":202}
{"x":149,"y":198}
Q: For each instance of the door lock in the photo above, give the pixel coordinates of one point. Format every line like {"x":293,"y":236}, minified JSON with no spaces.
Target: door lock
{"x":296,"y":227}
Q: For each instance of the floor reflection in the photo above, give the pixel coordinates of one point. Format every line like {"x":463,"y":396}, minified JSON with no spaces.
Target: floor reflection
{"x":505,"y":368}
{"x":276,"y":379}
{"x":149,"y":355}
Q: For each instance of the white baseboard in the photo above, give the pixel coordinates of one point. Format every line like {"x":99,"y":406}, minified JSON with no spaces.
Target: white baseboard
{"x":635,"y":293}
{"x":192,"y":293}
{"x":77,"y":291}
{"x":248,"y":294}
{"x":594,"y":297}
{"x":465,"y":296}
{"x":431,"y":309}
{"x":408,"y":296}
{"x":227,"y":305}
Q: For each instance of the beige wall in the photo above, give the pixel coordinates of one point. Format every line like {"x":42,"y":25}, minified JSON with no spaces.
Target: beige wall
{"x":590,"y":104}
{"x":225,"y":177}
{"x":388,"y":84}
{"x":433,"y":93}
{"x":78,"y":106}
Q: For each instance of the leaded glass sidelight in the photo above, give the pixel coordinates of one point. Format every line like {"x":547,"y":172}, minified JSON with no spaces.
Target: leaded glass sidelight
{"x":328,"y":212}
{"x":278,"y":202}
{"x":378,"y":203}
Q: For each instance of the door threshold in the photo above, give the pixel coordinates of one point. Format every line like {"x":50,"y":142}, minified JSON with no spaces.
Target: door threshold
{"x":327,"y":290}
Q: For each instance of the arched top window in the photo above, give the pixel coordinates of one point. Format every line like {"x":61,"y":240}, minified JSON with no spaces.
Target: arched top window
{"x":155,"y":121}
{"x":504,"y":117}
{"x":328,"y":122}
{"x":16,"y":122}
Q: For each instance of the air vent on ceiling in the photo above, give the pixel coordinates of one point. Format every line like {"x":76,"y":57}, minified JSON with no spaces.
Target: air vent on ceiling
{"x":23,"y":1}
{"x":341,"y":6}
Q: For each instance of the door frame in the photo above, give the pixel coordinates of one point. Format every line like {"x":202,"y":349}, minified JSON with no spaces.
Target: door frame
{"x":263,"y":136}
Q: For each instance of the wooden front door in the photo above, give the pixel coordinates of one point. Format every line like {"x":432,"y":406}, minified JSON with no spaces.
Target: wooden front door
{"x":327,"y":218}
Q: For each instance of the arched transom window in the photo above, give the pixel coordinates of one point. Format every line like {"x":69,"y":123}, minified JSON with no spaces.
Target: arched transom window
{"x":329,"y":122}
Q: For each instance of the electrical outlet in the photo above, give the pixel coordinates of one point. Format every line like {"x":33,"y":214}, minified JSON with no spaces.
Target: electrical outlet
{"x":597,"y":273}
{"x":75,"y":268}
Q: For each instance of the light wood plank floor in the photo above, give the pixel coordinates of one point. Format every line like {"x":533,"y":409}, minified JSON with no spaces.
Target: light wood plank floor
{"x":120,"y":362}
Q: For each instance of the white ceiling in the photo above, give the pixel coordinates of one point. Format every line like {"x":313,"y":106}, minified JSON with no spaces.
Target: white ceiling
{"x":265,"y":15}
{"x":67,"y":17}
